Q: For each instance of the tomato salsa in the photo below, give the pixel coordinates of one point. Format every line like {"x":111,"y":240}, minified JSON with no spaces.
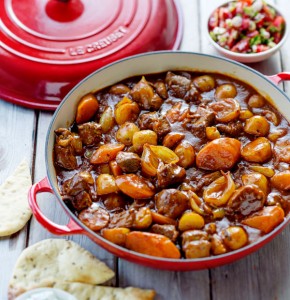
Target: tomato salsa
{"x":246,"y":26}
{"x":176,"y":165}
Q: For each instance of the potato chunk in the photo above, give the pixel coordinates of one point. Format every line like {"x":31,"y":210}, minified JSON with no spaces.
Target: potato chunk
{"x":281,"y":181}
{"x":235,"y":237}
{"x":258,"y":151}
{"x":219,"y":154}
{"x":257,"y":125}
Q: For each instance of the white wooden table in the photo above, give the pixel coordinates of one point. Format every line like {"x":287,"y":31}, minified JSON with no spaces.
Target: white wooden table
{"x":262,"y":275}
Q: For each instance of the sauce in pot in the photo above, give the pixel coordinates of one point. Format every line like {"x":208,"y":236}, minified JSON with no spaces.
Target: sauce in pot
{"x":177,"y":164}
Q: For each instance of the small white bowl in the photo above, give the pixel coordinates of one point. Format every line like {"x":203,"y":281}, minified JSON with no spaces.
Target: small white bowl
{"x":249,"y":57}
{"x":46,"y":293}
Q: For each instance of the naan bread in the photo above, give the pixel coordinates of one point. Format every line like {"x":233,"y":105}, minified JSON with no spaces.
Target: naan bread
{"x":14,"y":208}
{"x":84,"y":291}
{"x":55,"y":260}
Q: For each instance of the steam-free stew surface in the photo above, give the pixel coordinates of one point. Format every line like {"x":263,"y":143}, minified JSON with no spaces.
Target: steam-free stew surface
{"x":176,"y":164}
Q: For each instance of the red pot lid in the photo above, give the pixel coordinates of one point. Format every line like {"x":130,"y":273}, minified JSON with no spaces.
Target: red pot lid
{"x":46,"y":47}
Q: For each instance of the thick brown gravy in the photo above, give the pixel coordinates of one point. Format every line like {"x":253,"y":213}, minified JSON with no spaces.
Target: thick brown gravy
{"x":198,"y":164}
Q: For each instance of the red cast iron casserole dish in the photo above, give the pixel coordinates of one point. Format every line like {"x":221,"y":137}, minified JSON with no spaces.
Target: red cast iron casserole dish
{"x":154,"y":62}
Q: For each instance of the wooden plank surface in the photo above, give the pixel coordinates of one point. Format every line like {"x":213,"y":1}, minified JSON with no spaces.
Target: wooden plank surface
{"x":262,"y":275}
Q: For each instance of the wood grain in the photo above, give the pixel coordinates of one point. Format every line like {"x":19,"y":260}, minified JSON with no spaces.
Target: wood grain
{"x":263,"y":275}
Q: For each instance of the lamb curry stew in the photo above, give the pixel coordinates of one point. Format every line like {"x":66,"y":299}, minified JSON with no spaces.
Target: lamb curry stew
{"x":176,"y":165}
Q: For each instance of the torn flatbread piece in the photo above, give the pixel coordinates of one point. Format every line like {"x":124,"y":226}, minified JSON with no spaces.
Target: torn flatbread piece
{"x":56,"y":260}
{"x":14,"y":208}
{"x":91,"y":292}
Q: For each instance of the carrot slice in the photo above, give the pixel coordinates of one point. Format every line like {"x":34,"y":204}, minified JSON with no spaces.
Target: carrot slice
{"x":87,"y":107}
{"x":116,"y":235}
{"x":106,"y":153}
{"x":151,"y":244}
{"x":266,"y":219}
{"x":135,"y":186}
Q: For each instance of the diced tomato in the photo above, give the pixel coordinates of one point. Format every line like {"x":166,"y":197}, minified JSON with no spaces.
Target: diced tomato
{"x":224,"y":13}
{"x":245,"y":23}
{"x":269,"y":15}
{"x":213,"y":20}
{"x":261,"y":48}
{"x":247,"y":2}
{"x":242,"y":46}
{"x":278,"y":23}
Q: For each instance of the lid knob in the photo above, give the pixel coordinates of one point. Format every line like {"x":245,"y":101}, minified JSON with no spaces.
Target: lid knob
{"x":64,"y":10}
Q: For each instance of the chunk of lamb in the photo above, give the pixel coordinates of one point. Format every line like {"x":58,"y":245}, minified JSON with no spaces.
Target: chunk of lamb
{"x":161,"y":127}
{"x":166,"y":230}
{"x":123,"y":219}
{"x":198,"y":121}
{"x":81,"y":201}
{"x":67,"y":146}
{"x":169,"y":174}
{"x":90,"y":133}
{"x":147,"y":120}
{"x":144,"y":94}
{"x":129,"y":162}
{"x":78,"y":183}
{"x":171,"y":203}
{"x":178,"y":85}
{"x":245,"y":200}
{"x":231,"y":129}
{"x":155,"y":122}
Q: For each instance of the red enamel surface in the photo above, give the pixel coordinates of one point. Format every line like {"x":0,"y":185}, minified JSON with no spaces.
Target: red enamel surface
{"x":46,"y":47}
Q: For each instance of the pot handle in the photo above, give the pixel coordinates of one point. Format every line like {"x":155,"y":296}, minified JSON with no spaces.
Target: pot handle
{"x":43,"y":186}
{"x":279,"y":77}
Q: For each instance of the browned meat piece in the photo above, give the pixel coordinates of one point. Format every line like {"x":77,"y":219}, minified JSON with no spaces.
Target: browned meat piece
{"x":90,"y":133}
{"x":67,"y":146}
{"x":147,"y":120}
{"x":245,"y":200}
{"x":129,"y":162}
{"x":198,"y":121}
{"x":123,"y":219}
{"x":161,"y":90}
{"x":207,"y":179}
{"x":166,"y":230}
{"x":64,"y":157}
{"x":231,"y":129}
{"x":171,"y":203}
{"x":161,"y":127}
{"x":78,"y":183}
{"x":178,"y":85}
{"x":81,"y":201}
{"x":169,"y":174}
{"x":193,"y":95}
{"x":144,"y":94}
{"x":155,"y":122}
{"x":114,"y":202}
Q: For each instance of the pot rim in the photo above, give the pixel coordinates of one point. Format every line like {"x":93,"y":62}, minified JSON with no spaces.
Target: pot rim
{"x":147,"y":259}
